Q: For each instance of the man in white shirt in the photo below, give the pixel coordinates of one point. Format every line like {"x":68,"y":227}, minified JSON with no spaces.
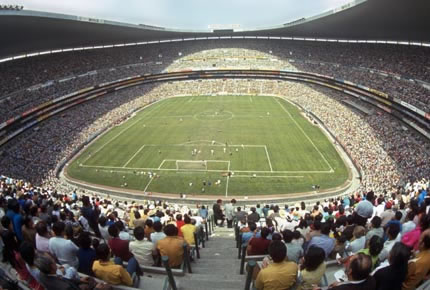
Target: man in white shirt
{"x":156,"y":236}
{"x":141,"y":249}
{"x":65,"y":250}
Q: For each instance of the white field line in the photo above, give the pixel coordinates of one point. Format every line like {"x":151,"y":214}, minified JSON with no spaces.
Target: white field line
{"x":134,"y":155}
{"x":113,"y":138}
{"x":161,"y":164}
{"x":304,"y":133}
{"x":228,"y":179}
{"x":198,"y":161}
{"x":268,"y":158}
{"x":167,"y":117}
{"x":146,"y":187}
{"x":125,"y":129}
{"x":213,"y":170}
{"x":190,"y":100}
{"x":250,"y":98}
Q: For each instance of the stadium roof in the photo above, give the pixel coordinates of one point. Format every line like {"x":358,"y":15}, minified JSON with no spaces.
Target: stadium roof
{"x":28,"y":31}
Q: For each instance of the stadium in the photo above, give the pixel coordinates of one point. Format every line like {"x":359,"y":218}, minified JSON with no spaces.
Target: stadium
{"x":314,"y":132}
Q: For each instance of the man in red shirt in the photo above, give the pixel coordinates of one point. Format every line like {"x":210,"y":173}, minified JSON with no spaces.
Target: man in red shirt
{"x":259,"y":246}
{"x":119,"y":247}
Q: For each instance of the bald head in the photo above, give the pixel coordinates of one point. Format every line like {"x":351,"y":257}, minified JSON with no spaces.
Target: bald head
{"x":360,"y":266}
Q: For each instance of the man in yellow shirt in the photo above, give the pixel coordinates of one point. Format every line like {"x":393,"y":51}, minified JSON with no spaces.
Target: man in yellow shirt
{"x":110,"y":272}
{"x":172,"y":246}
{"x":280,"y":274}
{"x":188,"y":231}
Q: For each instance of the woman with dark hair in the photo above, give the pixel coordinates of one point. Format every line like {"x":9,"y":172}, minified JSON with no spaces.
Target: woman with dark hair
{"x":312,"y":269}
{"x":392,"y":276}
{"x":374,"y":248}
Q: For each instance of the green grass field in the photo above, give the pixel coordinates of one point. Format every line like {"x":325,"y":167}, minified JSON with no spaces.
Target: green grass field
{"x":265,"y":142}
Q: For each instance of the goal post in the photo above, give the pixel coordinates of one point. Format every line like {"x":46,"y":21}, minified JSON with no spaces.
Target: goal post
{"x":191,"y":165}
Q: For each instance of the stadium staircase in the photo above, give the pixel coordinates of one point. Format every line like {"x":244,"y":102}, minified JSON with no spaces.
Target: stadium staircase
{"x":218,"y":266}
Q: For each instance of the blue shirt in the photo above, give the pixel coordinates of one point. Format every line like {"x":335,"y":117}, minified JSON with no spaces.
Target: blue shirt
{"x":16,"y":220}
{"x":203,"y":213}
{"x":395,"y":222}
{"x":422,"y":197}
{"x":247,"y":236}
{"x":324,"y":242}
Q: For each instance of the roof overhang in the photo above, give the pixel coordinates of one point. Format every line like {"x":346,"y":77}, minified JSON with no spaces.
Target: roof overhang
{"x":28,"y":31}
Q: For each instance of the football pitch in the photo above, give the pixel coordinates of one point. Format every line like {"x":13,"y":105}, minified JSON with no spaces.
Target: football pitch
{"x":214,"y":145}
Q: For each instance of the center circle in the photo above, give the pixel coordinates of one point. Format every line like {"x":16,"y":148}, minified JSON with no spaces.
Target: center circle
{"x":214,"y":116}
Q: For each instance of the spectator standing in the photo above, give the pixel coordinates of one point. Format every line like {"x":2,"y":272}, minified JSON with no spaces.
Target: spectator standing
{"x":229,"y":212}
{"x":218,"y":215}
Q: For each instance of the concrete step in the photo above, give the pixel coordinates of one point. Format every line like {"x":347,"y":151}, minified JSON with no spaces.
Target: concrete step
{"x":198,"y":281}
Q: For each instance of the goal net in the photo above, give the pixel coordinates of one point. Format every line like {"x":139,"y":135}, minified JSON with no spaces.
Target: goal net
{"x":191,"y":165}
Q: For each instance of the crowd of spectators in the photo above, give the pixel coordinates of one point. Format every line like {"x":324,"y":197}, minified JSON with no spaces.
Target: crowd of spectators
{"x":381,"y":241}
{"x":52,"y":239}
{"x":393,"y":161}
{"x":28,"y":82}
{"x":387,"y":153}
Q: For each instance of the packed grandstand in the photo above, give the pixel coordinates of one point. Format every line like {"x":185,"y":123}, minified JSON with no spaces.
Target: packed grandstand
{"x":373,"y":98}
